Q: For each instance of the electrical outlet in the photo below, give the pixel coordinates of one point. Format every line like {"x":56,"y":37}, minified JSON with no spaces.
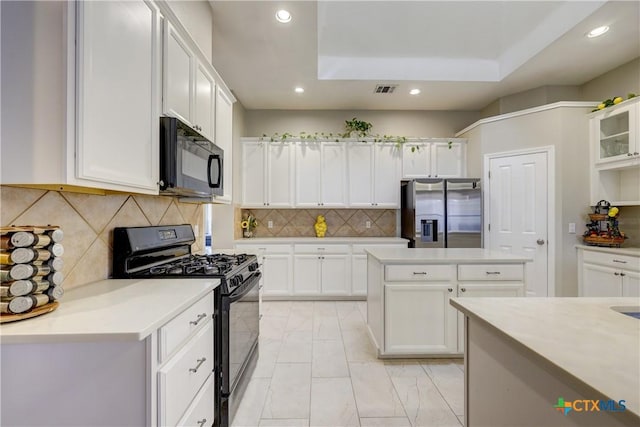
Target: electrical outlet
{"x":367,"y":224}
{"x":269,"y":224}
{"x":572,"y":228}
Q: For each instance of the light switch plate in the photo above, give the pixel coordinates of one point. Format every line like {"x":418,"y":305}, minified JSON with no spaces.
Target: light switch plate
{"x":572,"y":228}
{"x":367,"y":224}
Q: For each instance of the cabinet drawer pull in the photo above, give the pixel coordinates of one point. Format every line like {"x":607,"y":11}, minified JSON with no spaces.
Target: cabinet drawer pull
{"x":200,"y":317}
{"x":463,"y":290}
{"x":619,"y":261}
{"x":622,"y":274}
{"x":202,"y":422}
{"x":450,"y":289}
{"x":200,"y":362}
{"x":418,"y":273}
{"x":629,"y":154}
{"x":493,"y":272}
{"x":616,"y":274}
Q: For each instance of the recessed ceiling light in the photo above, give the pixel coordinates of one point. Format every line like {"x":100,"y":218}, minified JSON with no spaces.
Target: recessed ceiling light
{"x":283,"y":16}
{"x":598,"y":31}
{"x":414,"y":91}
{"x":299,"y":90}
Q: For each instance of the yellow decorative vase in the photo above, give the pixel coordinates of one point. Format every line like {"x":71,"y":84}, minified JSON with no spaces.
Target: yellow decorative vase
{"x":320,"y":226}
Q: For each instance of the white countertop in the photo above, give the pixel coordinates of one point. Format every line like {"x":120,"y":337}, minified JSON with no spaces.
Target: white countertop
{"x":110,"y":310}
{"x":618,"y":251}
{"x":582,"y":336}
{"x":443,"y":256}
{"x":320,"y":240}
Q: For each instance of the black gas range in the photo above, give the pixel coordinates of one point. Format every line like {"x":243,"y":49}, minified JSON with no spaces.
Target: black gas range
{"x":165,"y":252}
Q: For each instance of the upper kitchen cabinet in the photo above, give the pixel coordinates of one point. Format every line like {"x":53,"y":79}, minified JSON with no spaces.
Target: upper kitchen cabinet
{"x":81,"y":110}
{"x":267,"y":174}
{"x":224,"y":139}
{"x":443,"y":158}
{"x":615,"y":154}
{"x":189,"y":88}
{"x":118,"y":78}
{"x":615,"y":134}
{"x":320,"y":174}
{"x":374,"y":175}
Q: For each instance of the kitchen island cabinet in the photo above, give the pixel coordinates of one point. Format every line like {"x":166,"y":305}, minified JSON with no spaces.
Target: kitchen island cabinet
{"x":117,"y":353}
{"x":408,"y":310}
{"x":528,"y":358}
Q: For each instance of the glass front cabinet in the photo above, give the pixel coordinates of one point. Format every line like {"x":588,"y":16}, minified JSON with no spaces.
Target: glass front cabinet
{"x":615,"y":133}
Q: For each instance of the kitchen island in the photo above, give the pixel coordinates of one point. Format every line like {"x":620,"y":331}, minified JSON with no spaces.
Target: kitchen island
{"x":115,"y":352}
{"x":408,"y":311}
{"x":545,"y":361}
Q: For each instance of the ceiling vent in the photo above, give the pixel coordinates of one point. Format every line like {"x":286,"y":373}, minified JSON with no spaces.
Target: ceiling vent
{"x":385,"y":88}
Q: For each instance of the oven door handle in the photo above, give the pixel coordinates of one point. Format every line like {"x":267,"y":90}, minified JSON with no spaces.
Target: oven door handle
{"x":246,"y":287}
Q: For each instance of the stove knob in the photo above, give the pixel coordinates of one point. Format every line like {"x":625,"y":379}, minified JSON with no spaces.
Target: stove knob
{"x":253,"y":267}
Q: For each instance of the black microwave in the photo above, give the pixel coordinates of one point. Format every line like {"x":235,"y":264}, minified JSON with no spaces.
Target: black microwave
{"x":190,"y":164}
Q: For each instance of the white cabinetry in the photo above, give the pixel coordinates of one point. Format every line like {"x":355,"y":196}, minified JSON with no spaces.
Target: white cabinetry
{"x":373,"y":175}
{"x":84,"y":114}
{"x":320,"y":174}
{"x":487,"y":280}
{"x":433,"y":159}
{"x":267,"y":174}
{"x":408,"y":310}
{"x":608,"y":273}
{"x":321,"y":269}
{"x":359,"y":265}
{"x":615,"y":154}
{"x":189,"y":88}
{"x":418,"y":318}
{"x":277,"y":267}
{"x":312,"y":269}
{"x":162,"y":379}
{"x":224,"y":139}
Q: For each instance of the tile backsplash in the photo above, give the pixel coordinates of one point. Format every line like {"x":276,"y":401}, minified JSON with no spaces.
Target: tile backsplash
{"x":88,"y":221}
{"x":340,"y":222}
{"x":629,"y":223}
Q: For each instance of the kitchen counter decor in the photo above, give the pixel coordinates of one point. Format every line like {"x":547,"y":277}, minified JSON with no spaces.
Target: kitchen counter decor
{"x":603,"y":229}
{"x":30,"y":271}
{"x":248,"y":224}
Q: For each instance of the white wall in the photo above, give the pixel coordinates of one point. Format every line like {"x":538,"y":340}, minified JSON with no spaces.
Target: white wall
{"x":617,"y":82}
{"x":567,"y":130}
{"x":197,"y":18}
{"x":398,"y":123}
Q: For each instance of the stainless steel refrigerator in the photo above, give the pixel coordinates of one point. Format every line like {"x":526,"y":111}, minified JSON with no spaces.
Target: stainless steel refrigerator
{"x":442,"y":213}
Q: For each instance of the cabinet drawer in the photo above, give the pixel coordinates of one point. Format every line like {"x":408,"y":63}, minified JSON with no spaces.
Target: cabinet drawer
{"x":183,"y":375}
{"x":202,"y":411}
{"x":612,"y":260}
{"x":419,"y":273}
{"x":317,"y":249}
{"x":360,"y":249}
{"x":180,"y":327}
{"x":265,"y":249}
{"x":493,"y":272}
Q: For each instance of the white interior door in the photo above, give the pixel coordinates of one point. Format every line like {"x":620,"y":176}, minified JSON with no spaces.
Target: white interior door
{"x":518,"y":202}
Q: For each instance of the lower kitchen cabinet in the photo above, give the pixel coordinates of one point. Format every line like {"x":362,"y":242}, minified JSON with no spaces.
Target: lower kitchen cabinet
{"x":321,"y":270}
{"x":409,"y":291}
{"x":276,"y":266}
{"x":309,"y":267}
{"x":101,"y":373}
{"x":418,"y":319}
{"x":604,"y":272}
{"x":276,"y":273}
{"x":321,"y":275}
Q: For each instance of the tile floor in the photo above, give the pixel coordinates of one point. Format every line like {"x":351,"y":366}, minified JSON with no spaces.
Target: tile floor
{"x":317,"y":367}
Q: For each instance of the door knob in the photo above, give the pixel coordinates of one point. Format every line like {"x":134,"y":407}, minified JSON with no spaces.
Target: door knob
{"x":540,"y":241}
